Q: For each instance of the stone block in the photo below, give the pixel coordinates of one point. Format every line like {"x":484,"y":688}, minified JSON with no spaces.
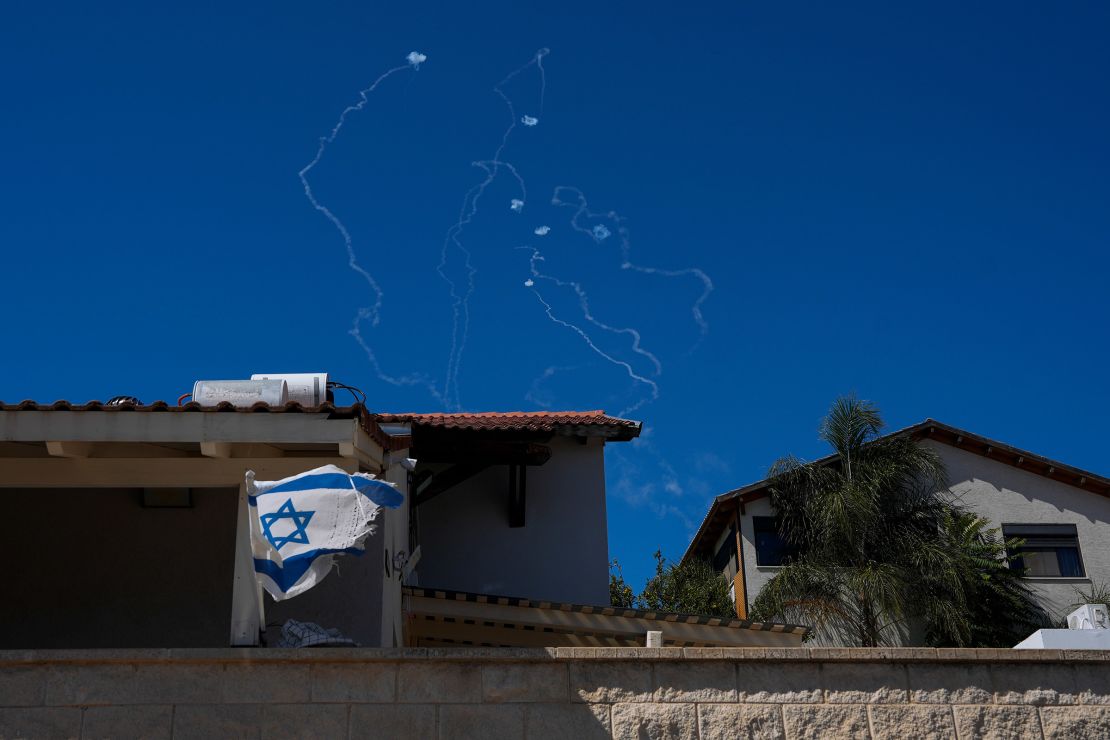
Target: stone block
{"x":354,"y":682}
{"x":996,"y":722}
{"x":1036,"y":684}
{"x":209,"y":721}
{"x":22,"y":686}
{"x":956,"y":654}
{"x":486,"y":721}
{"x":1092,"y":683}
{"x":864,"y":683}
{"x":148,"y":722}
{"x":610,"y":681}
{"x":558,"y":721}
{"x":838,"y":653}
{"x":439,"y":683}
{"x":36,"y":722}
{"x":177,"y":684}
{"x":1087,"y":656}
{"x":393,"y":721}
{"x":904,"y":721}
{"x":303,"y":721}
{"x":949,"y":683}
{"x":825,"y":721}
{"x":266,"y":683}
{"x":532,"y":682}
{"x":84,"y":685}
{"x":779,"y":683}
{"x":638,"y":721}
{"x":729,"y":721}
{"x":697,"y":681}
{"x":1076,"y":723}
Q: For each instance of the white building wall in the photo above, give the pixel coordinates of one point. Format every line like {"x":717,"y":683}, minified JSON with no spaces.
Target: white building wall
{"x":1004,"y":494}
{"x":755,"y":576}
{"x":562,"y":552}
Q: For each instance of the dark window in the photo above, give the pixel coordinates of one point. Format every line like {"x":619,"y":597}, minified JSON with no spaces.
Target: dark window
{"x":770,"y":547}
{"x":1049,"y":550}
{"x":724,"y":556}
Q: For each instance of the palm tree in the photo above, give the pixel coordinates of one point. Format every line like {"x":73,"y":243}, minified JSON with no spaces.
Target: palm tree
{"x":999,"y":609}
{"x":868,"y":528}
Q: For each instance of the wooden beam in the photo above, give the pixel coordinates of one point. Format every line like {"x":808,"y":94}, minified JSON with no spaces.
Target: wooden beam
{"x":611,"y":624}
{"x":368,"y":452}
{"x":191,"y":472}
{"x":216,"y":449}
{"x":69,"y":449}
{"x":429,"y":632}
{"x":447,"y":479}
{"x":239,"y":450}
{"x":489,"y":452}
{"x":174,"y":426}
{"x":517,"y":490}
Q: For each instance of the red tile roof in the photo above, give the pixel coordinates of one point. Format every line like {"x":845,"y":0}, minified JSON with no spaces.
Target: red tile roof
{"x":552,"y":422}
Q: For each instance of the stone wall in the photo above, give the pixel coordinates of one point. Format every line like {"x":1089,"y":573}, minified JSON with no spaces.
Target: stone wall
{"x":578,"y":693}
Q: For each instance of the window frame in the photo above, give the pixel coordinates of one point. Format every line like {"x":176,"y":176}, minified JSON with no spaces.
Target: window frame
{"x":788,"y":549}
{"x":1041,"y":538}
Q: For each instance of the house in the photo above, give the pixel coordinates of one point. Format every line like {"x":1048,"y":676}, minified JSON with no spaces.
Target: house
{"x":1062,"y":513}
{"x":498,"y":496}
{"x":126,"y":522}
{"x":127,"y":526}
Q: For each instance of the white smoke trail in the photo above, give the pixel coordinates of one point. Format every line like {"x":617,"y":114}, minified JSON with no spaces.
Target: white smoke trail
{"x":627,"y":367}
{"x":536,"y":393}
{"x":460,"y":301}
{"x":599,"y":233}
{"x":372,"y":314}
{"x":584,"y":304}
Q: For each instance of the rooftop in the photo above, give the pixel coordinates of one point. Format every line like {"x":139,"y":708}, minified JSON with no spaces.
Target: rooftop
{"x":592,"y":423}
{"x":723,"y":509}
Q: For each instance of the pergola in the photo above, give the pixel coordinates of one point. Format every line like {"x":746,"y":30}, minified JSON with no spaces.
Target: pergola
{"x":167,"y":450}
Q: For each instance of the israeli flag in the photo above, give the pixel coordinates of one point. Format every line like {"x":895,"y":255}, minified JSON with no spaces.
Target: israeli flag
{"x":299,"y":524}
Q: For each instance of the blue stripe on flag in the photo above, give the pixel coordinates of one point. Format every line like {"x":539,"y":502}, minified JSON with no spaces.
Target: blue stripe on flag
{"x":293,"y":569}
{"x":381,"y":493}
{"x":312,"y":482}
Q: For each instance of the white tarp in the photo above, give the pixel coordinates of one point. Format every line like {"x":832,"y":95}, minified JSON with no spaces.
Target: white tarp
{"x":299,"y":524}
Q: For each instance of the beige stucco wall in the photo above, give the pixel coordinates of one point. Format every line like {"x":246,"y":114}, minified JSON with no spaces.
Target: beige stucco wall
{"x":556,"y":693}
{"x":562,"y":552}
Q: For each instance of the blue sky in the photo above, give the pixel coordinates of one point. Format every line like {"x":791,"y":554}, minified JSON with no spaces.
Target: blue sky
{"x":906,"y":201}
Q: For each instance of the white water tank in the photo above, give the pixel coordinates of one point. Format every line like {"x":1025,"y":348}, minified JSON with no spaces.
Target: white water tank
{"x":240,"y":392}
{"x":307,"y":389}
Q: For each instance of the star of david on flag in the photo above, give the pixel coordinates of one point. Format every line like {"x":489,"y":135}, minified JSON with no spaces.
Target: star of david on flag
{"x":300,"y":523}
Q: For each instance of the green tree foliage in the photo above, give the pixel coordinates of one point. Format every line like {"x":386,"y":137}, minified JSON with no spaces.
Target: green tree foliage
{"x":998,"y":608}
{"x":1095,"y":593}
{"x":881,"y":546}
{"x":620,"y":593}
{"x":692,"y":587}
